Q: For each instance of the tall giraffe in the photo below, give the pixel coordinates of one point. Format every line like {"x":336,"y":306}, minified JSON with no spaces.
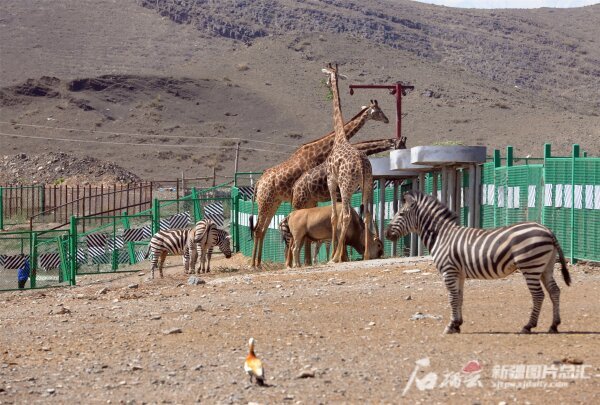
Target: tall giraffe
{"x":275,"y":185}
{"x":311,"y":188}
{"x":347,"y":168}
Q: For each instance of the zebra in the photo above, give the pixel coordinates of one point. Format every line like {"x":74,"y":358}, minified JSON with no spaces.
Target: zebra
{"x":460,"y":252}
{"x":206,"y":237}
{"x":174,"y":242}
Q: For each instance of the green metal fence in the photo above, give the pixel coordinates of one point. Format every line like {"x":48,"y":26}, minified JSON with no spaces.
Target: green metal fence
{"x":273,"y":246}
{"x":46,"y":252}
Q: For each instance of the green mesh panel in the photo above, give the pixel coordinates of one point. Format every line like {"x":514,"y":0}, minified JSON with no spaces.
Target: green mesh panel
{"x":557,"y":174}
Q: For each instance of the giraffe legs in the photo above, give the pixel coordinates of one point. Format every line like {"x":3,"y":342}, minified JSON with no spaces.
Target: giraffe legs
{"x":264,"y":218}
{"x":332,"y":185}
{"x":345,"y":222}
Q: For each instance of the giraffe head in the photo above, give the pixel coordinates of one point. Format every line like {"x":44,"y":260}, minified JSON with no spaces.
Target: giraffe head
{"x":330,"y":71}
{"x":375,"y":113}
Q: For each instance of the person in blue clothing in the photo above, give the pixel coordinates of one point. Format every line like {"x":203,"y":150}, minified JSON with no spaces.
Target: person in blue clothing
{"x":23,"y":273}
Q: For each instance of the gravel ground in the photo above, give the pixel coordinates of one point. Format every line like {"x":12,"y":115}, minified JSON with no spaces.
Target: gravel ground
{"x":327,"y":334}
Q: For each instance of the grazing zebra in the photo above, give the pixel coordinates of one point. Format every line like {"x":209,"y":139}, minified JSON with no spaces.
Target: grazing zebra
{"x":207,"y":236}
{"x":460,"y":252}
{"x":174,"y":242}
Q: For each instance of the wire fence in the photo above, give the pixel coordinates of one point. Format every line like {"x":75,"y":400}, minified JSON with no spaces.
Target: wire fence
{"x":562,"y":193}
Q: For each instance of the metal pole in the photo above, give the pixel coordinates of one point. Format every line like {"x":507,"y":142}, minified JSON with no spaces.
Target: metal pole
{"x":414,"y":239}
{"x":237,"y":158}
{"x":473,"y":208}
{"x":434,"y":184}
{"x":451,"y":188}
{"x":421,"y":246}
{"x":395,"y":210}
{"x":381,"y":207}
{"x":574,"y":156}
{"x":478,"y":169}
{"x":444,"y":199}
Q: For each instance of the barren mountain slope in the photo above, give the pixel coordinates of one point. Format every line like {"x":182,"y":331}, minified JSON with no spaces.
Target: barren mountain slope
{"x":158,"y":97}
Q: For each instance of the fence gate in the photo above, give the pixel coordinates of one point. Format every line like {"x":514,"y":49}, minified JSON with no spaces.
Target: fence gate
{"x":113,"y":247}
{"x":46,"y":253}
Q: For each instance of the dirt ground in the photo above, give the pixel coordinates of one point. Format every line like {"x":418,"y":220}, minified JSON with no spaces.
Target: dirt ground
{"x":327,"y":334}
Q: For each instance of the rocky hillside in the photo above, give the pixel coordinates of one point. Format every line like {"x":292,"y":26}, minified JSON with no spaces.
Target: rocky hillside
{"x":550,"y":50}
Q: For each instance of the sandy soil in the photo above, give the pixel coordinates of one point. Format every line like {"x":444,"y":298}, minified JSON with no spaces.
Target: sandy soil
{"x":348,"y":328}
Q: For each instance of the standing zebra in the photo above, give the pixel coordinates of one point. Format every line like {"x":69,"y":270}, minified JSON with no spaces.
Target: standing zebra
{"x":460,"y":252}
{"x":207,"y":236}
{"x":174,"y":242}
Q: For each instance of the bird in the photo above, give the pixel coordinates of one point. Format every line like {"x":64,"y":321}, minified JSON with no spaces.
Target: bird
{"x":253,"y":366}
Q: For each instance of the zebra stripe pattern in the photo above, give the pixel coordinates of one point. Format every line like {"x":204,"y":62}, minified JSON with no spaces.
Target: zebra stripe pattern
{"x":207,"y":236}
{"x":173,"y":242}
{"x":460,"y":252}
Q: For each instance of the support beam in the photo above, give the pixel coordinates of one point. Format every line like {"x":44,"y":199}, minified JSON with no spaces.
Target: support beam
{"x":414,"y":239}
{"x":473,"y":191}
{"x":381,"y":207}
{"x":394,"y":210}
{"x":421,"y":246}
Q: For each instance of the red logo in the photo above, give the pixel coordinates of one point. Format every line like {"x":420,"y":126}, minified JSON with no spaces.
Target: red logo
{"x":472,"y":367}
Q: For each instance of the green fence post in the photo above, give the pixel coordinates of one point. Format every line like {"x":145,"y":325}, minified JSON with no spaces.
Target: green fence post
{"x":130,"y":247}
{"x":155,"y":216}
{"x":196,"y":202}
{"x":497,"y":164}
{"x":1,"y":209}
{"x":234,"y":223}
{"x":115,"y":253}
{"x":574,"y":156}
{"x":73,"y":249}
{"x":509,"y":156}
{"x":547,"y":155}
{"x":33,"y":259}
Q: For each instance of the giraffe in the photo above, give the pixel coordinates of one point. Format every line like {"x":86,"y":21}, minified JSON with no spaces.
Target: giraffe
{"x":347,"y":168}
{"x":311,"y":188}
{"x":275,"y":184}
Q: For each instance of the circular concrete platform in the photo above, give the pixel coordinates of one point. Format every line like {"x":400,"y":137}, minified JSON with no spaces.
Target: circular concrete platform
{"x":447,"y":155}
{"x":381,"y":169}
{"x":400,"y":160}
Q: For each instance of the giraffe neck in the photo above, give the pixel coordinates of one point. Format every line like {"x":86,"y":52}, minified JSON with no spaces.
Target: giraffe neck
{"x":338,"y":119}
{"x":376,"y":146}
{"x":320,"y":149}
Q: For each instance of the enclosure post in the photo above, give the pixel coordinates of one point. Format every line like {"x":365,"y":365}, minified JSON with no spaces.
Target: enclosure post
{"x":547,"y":155}
{"x":381,"y":207}
{"x":574,"y":156}
{"x":421,"y":246}
{"x":434,"y":184}
{"x":509,"y":156}
{"x":196,"y":203}
{"x":497,"y":164}
{"x":451,"y":188}
{"x":1,"y":209}
{"x":444,"y":199}
{"x":477,"y":197}
{"x":33,"y":259}
{"x":73,"y":249}
{"x":414,"y":239}
{"x":472,"y":193}
{"x":394,"y":211}
{"x":155,"y":216}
